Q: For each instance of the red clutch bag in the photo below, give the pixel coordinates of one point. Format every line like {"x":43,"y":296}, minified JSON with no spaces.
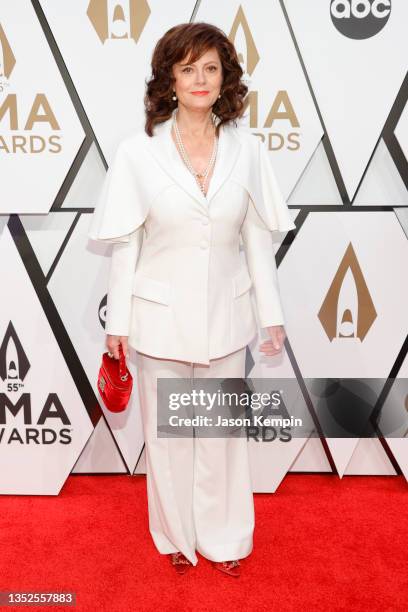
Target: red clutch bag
{"x":115,"y":382}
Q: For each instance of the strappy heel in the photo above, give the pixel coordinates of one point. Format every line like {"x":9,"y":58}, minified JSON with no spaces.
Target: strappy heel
{"x":232,"y":568}
{"x":180,"y":563}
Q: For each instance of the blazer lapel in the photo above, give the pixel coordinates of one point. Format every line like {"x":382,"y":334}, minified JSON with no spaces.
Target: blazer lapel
{"x":166,"y":153}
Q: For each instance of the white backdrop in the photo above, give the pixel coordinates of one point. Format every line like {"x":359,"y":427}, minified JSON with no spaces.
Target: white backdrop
{"x":327,"y":96}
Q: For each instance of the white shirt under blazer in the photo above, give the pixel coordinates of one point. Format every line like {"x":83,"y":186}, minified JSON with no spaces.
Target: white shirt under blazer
{"x":178,"y":286}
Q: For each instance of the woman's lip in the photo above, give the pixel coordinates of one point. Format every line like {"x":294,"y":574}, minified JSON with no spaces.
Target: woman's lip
{"x":199,"y":93}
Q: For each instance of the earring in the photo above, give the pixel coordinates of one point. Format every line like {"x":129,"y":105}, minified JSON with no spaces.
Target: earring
{"x":219,"y":96}
{"x":174,"y":95}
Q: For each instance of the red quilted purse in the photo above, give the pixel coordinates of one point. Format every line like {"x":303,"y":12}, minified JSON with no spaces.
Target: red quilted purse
{"x":115,"y":382}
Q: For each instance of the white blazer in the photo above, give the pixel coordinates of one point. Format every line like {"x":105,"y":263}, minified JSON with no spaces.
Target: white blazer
{"x":178,"y":286}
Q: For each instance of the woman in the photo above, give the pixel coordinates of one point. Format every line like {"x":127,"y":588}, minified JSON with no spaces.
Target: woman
{"x":175,"y":202}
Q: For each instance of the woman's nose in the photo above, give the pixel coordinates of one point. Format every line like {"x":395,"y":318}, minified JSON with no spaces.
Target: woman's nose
{"x":200,"y":78}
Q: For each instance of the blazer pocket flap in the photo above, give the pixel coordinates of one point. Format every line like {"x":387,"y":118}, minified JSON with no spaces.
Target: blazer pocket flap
{"x":242,"y":282}
{"x":151,"y":289}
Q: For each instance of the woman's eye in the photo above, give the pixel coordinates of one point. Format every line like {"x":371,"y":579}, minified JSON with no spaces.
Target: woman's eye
{"x":188,"y":68}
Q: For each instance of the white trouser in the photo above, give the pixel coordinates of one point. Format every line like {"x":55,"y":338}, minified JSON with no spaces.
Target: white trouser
{"x":199,"y":489}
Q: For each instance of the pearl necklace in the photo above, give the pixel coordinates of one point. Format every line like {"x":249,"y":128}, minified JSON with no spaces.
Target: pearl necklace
{"x":186,"y":159}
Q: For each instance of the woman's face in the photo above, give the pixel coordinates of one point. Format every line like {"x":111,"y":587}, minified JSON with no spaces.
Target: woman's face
{"x":204,"y":75}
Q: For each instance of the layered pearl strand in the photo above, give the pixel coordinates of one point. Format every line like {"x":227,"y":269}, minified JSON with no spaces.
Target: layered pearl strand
{"x":197,"y":175}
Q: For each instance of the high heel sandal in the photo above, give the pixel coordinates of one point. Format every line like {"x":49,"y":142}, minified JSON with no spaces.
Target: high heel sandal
{"x":232,"y":568}
{"x":180,"y":563}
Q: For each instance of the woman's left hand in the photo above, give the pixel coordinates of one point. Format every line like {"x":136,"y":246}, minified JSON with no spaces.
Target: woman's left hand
{"x":274,"y":345}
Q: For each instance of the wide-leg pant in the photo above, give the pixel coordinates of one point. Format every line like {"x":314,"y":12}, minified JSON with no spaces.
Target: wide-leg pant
{"x":199,"y":489}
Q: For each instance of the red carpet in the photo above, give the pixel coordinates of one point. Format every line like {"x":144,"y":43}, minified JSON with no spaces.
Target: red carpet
{"x":321,"y":543}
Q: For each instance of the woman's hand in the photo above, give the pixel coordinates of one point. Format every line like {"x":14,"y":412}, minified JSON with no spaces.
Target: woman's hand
{"x":274,"y":345}
{"x":113,"y":342}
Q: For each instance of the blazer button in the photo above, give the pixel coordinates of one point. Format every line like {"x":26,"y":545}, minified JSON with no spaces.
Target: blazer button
{"x":204,"y":244}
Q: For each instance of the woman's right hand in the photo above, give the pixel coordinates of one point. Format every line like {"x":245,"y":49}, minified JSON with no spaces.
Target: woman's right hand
{"x":113,"y":342}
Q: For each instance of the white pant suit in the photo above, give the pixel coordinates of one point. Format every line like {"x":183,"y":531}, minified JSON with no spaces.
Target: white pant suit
{"x":180,"y":290}
{"x":199,"y":489}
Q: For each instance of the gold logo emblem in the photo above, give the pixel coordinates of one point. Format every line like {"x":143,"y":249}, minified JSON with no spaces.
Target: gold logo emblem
{"x":118,"y":19}
{"x":348,"y":310}
{"x":251,"y":58}
{"x":7,"y":59}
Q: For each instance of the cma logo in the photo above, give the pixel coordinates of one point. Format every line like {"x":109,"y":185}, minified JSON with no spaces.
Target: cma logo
{"x":38,"y":113}
{"x":281,"y":111}
{"x":348,"y":311}
{"x":14,"y":366}
{"x":118,"y":19}
{"x":360,"y":19}
{"x":14,"y":363}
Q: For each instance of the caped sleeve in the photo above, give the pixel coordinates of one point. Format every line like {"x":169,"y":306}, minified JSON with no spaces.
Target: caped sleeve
{"x":276,"y":212}
{"x":260,"y":256}
{"x":256,"y":174}
{"x":124,"y":200}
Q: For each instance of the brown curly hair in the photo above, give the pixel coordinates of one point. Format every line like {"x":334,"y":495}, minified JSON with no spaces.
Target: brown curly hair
{"x":194,"y":39}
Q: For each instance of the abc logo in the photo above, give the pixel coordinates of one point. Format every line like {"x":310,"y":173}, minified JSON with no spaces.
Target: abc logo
{"x":359,"y":19}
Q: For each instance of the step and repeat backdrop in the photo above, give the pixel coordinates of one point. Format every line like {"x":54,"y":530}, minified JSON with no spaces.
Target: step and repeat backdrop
{"x":327,"y":96}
